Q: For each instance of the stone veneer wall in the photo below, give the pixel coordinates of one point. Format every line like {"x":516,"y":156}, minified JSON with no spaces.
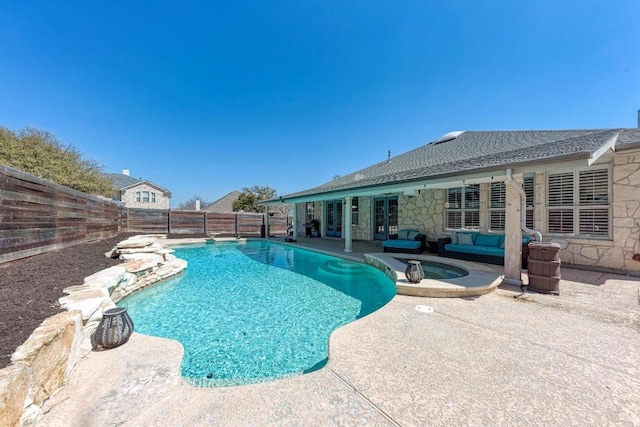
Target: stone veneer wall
{"x":364,"y":229}
{"x":615,"y":253}
{"x":44,"y":362}
{"x":301,"y":216}
{"x":423,"y":212}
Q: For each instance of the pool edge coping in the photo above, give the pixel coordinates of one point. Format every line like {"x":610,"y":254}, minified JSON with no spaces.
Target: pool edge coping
{"x":481,"y":279}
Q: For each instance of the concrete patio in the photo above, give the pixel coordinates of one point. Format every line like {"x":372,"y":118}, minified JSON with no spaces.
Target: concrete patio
{"x":504,"y":358}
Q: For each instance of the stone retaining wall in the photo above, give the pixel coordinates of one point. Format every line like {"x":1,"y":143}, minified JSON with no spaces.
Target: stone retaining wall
{"x":45,"y":361}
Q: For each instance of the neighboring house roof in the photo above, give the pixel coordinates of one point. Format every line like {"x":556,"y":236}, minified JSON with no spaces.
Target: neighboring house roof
{"x":460,"y":153}
{"x":124,"y":182}
{"x":224,"y":204}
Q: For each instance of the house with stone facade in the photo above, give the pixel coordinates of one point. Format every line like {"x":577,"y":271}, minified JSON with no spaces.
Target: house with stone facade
{"x":139,"y":193}
{"x":580,"y":188}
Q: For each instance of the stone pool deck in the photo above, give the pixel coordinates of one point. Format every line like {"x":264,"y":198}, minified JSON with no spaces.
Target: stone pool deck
{"x":536,"y":359}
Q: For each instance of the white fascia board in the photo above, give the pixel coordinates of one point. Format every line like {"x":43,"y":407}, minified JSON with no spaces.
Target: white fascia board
{"x":609,"y":145}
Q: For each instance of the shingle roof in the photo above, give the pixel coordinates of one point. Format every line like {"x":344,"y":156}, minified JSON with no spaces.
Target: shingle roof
{"x":629,"y":136}
{"x":224,"y":204}
{"x":477,"y":150}
{"x":121,"y":181}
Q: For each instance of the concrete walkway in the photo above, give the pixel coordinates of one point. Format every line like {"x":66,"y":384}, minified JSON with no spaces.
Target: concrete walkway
{"x":572,"y":359}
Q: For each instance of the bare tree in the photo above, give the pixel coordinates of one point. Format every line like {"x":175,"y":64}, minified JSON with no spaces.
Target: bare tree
{"x":190,"y":204}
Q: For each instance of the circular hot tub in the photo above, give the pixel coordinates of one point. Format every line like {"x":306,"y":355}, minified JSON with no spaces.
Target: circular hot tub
{"x":438,"y":270}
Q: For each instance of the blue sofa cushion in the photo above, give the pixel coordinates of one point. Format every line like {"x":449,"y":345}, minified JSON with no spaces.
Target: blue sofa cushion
{"x":404,"y":244}
{"x":488,"y":240}
{"x":475,"y":249}
{"x":525,"y":240}
{"x":402,"y":234}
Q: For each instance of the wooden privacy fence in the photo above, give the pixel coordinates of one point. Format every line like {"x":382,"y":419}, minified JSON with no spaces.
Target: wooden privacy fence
{"x":37,"y":216}
{"x":202,"y":223}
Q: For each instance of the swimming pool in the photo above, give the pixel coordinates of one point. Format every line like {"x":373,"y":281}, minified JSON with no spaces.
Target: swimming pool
{"x":256,"y":311}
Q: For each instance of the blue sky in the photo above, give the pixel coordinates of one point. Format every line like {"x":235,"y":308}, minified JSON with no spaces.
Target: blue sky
{"x":204,"y":98}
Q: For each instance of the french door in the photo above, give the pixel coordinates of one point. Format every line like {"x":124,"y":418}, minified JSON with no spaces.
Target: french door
{"x":334,"y":218}
{"x":385,"y":217}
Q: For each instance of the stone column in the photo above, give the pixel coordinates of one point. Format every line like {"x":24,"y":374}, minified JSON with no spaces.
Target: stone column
{"x":513,"y":234}
{"x":266,"y":222}
{"x":346,"y":222}
{"x":483,"y":220}
{"x":294,"y":224}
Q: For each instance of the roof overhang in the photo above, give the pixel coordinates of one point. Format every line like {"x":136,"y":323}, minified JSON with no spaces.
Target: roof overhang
{"x":609,"y":145}
{"x":449,"y":181}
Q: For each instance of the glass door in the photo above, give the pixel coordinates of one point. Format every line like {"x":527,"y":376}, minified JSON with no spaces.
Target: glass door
{"x":334,"y":218}
{"x":385,"y":217}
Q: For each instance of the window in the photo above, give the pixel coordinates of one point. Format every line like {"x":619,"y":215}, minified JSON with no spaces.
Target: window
{"x":355,"y":214}
{"x":309,"y":212}
{"x":463,"y":207}
{"x":153,"y":197}
{"x":145,"y":197}
{"x":137,"y":196}
{"x":578,"y":202}
{"x":497,"y":197}
{"x":528,"y":185}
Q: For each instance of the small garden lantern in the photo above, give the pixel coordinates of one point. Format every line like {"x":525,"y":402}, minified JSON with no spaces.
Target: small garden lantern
{"x":414,"y":271}
{"x":114,"y":329}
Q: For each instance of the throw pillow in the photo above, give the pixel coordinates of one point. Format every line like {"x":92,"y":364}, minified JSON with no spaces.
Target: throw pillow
{"x":465,"y":239}
{"x":454,"y":239}
{"x":402,"y":234}
{"x":412,"y":234}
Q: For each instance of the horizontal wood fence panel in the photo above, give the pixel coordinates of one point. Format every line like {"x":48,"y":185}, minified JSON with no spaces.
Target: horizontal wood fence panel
{"x":250,"y":225}
{"x":187,"y":222}
{"x":278,"y":225}
{"x":221,"y":224}
{"x":38,"y":216}
{"x":199,"y":222}
{"x":148,"y":220}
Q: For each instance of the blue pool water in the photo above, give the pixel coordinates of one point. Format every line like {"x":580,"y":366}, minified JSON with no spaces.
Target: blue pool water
{"x":256,"y":311}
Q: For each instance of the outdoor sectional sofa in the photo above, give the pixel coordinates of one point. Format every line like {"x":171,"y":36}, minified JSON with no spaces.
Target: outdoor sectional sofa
{"x":479,"y":247}
{"x":406,"y":241}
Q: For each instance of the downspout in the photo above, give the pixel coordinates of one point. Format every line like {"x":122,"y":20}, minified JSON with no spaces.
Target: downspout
{"x":523,"y":207}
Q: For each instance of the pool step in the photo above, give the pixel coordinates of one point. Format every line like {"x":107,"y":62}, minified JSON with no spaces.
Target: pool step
{"x":345,"y":270}
{"x":342,"y":267}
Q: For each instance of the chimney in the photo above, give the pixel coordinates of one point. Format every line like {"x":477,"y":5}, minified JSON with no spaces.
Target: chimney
{"x":197,"y":204}
{"x":639,"y":118}
{"x":125,"y":171}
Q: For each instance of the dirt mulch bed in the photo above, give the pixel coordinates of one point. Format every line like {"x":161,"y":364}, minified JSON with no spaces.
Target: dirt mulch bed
{"x":30,"y":288}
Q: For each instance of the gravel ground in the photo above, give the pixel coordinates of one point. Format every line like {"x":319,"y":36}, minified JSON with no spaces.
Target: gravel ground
{"x":30,"y":288}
